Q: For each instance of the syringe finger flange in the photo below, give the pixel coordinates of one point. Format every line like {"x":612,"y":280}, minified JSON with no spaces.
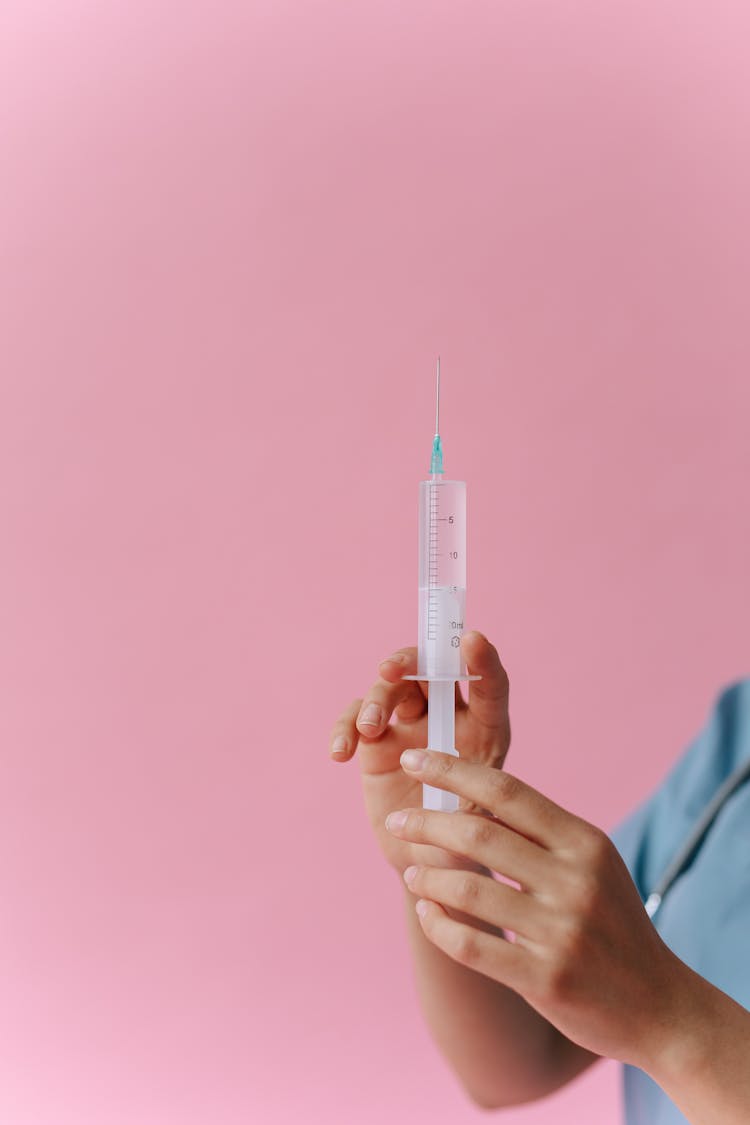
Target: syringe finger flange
{"x":442,"y":679}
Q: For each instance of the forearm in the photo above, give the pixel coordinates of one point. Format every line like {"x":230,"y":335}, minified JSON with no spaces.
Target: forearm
{"x":703,"y":1063}
{"x":502,"y":1050}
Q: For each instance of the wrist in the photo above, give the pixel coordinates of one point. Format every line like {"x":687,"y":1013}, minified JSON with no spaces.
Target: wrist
{"x":681,"y":1044}
{"x":702,"y":1061}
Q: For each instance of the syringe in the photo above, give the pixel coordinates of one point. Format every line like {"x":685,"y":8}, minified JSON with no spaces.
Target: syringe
{"x":442,"y":605}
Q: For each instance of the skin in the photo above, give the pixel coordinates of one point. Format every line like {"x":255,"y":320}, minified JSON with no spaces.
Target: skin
{"x":586,"y":957}
{"x":482,"y":732}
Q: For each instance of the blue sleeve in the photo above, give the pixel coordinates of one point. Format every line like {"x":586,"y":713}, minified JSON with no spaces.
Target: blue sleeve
{"x":649,"y":836}
{"x":630,"y":837}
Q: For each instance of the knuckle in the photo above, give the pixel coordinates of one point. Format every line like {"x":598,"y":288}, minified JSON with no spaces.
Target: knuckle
{"x":400,"y":656}
{"x":503,"y":786}
{"x":444,"y":764}
{"x":465,"y":946}
{"x":596,"y":848}
{"x":467,"y":890}
{"x":478,"y":831}
{"x":414,"y":823}
{"x":587,"y":895}
{"x":571,"y":940}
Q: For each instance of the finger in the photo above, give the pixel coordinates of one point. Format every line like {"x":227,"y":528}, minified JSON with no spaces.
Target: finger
{"x":511,"y":800}
{"x":477,"y":838}
{"x":504,"y":961}
{"x":389,"y":692}
{"x":488,"y":697}
{"x":479,"y":895}
{"x":344,"y":734}
{"x":404,"y":662}
{"x":414,"y":707}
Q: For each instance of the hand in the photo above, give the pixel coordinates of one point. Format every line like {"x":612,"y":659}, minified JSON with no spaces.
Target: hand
{"x":482,"y":735}
{"x":586,"y":955}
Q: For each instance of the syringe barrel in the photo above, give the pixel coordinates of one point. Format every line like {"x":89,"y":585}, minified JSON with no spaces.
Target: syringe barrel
{"x":442,"y":576}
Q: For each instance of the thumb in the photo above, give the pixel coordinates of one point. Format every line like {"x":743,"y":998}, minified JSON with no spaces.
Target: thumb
{"x":488,"y":697}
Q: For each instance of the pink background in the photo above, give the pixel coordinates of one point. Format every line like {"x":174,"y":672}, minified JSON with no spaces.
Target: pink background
{"x":233,"y":238}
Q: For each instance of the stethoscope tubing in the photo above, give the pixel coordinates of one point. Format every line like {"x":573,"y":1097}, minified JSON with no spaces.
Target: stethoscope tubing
{"x":694,"y":840}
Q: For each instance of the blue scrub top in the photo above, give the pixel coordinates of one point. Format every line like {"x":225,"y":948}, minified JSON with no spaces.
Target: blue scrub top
{"x":705,"y":915}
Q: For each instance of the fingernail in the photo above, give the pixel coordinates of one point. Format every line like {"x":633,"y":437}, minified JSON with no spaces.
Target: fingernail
{"x":395,"y":820}
{"x":409,"y":874}
{"x":421,"y":908}
{"x":371,"y":716}
{"x":339,"y":745}
{"x":397,"y":658}
{"x":413,"y":759}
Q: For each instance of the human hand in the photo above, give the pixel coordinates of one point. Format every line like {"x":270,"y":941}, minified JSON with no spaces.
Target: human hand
{"x":586,"y":955}
{"x":482,"y":735}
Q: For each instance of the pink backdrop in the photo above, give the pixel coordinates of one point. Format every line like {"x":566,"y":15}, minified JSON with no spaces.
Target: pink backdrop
{"x":233,"y":238}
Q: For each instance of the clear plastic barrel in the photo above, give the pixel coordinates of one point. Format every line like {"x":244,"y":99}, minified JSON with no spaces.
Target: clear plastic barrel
{"x":442,"y":577}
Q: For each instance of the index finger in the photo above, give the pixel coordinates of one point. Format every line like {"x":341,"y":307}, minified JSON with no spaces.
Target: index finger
{"x":404,"y":662}
{"x":512,"y":801}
